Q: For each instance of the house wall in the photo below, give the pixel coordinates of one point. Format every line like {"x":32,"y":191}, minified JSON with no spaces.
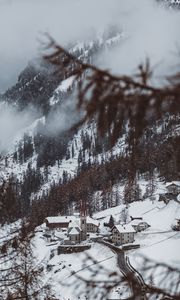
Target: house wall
{"x":135,"y":227}
{"x":115,"y":235}
{"x":74,"y":238}
{"x":122,"y":238}
{"x":127,"y":237}
{"x":57,"y":225}
{"x":92,"y":227}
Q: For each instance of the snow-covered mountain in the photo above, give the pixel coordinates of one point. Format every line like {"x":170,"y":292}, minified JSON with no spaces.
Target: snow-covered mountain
{"x":47,"y":167}
{"x":45,"y":149}
{"x":46,"y":153}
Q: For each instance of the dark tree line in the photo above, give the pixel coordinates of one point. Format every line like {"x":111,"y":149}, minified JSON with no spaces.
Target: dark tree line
{"x":154,"y":154}
{"x":49,"y":149}
{"x":15,"y":195}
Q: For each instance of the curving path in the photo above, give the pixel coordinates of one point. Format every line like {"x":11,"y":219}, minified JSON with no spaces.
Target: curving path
{"x":137,"y":284}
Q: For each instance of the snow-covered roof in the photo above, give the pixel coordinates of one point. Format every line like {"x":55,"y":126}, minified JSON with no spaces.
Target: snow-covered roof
{"x":173,"y":183}
{"x":60,"y":219}
{"x":125,"y":228}
{"x":74,"y":223}
{"x":72,"y":220}
{"x":74,"y":231}
{"x":106,"y":219}
{"x":92,"y":221}
{"x":136,"y":222}
{"x":76,"y":214}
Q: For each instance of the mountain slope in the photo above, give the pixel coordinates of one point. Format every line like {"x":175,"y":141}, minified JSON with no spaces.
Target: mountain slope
{"x":46,"y":155}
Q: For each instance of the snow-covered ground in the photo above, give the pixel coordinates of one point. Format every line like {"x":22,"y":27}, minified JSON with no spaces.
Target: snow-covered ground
{"x":7,"y":163}
{"x":158,"y":243}
{"x":63,"y":271}
{"x":8,"y":166}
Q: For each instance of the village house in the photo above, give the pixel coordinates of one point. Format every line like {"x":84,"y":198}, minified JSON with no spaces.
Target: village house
{"x":64,"y":221}
{"x":166,"y":197}
{"x":59,"y":221}
{"x":173,"y":187}
{"x":139,"y":225}
{"x":92,"y":225}
{"x":123,"y":234}
{"x":74,"y":231}
{"x":176,"y":226}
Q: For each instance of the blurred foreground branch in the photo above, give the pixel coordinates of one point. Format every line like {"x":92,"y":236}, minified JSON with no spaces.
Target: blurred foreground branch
{"x":117,"y":100}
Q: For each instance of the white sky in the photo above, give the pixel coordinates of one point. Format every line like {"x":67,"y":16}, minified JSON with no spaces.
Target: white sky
{"x":153,"y":32}
{"x":23,"y":22}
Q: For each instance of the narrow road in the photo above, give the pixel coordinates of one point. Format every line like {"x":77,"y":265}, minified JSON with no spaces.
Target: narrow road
{"x":135,"y":280}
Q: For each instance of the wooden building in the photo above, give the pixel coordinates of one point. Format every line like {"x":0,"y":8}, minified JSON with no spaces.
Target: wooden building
{"x":59,"y":221}
{"x":139,"y":225}
{"x":167,"y":197}
{"x":173,"y":187}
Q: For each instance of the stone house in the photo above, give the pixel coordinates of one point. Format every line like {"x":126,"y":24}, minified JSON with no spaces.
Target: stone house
{"x":123,"y":234}
{"x":92,"y":225}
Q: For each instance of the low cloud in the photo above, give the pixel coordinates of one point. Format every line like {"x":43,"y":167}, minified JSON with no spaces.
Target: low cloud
{"x":63,"y":118}
{"x":13,"y":123}
{"x":152,"y":31}
{"x":23,"y":22}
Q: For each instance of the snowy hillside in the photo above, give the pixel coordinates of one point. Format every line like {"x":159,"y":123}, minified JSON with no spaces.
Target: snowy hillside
{"x":48,"y":98}
{"x":158,"y":243}
{"x":89,"y":150}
